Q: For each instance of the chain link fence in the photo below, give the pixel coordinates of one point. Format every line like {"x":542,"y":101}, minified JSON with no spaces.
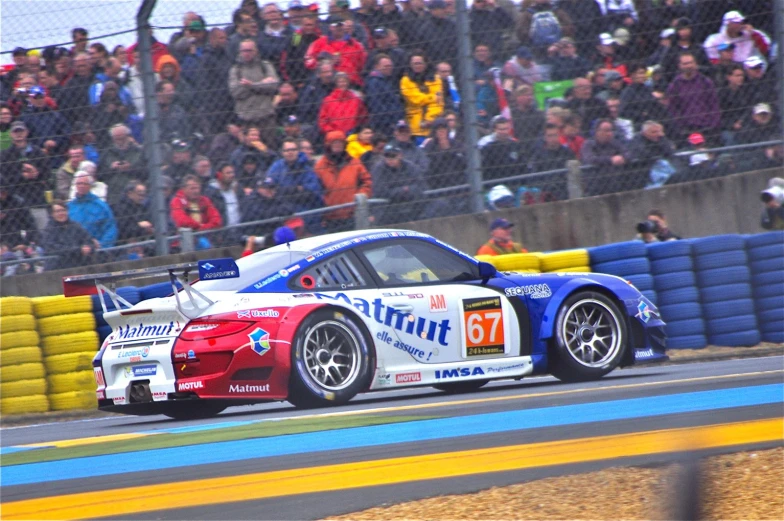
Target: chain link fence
{"x":272,"y":114}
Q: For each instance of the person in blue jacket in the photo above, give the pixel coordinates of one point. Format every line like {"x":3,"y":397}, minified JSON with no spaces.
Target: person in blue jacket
{"x":92,"y":213}
{"x":297,"y":183}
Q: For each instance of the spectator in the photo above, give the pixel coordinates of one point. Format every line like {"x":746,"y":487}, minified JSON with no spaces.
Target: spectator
{"x":502,"y":154}
{"x":663,"y":232}
{"x":500,"y":242}
{"x":297,"y":183}
{"x":376,"y":153}
{"x":638,"y":102}
{"x":624,"y":128}
{"x":65,"y":174}
{"x":483,"y":62}
{"x":293,"y":60}
{"x":48,"y":128}
{"x":92,"y":213}
{"x":383,"y":99}
{"x":571,"y":135}
{"x":212,"y":87}
{"x":550,"y":154}
{"x":414,"y":17}
{"x":567,"y":64}
{"x":618,"y":13}
{"x":306,"y":147}
{"x":734,"y":102}
{"x":18,"y":231}
{"x":75,"y":96}
{"x":286,"y":103}
{"x":247,"y":28}
{"x":98,"y":188}
{"x":606,"y":55}
{"x":411,"y":152}
{"x":607,"y":155}
{"x":263,"y":204}
{"x":275,"y":35}
{"x":132,"y":210}
{"x":382,"y":38}
{"x":342,"y":109}
{"x":292,"y":128}
{"x":761,"y":84}
{"x":114,"y":73}
{"x":253,"y":83}
{"x":226,"y":142}
{"x":314,"y":93}
{"x":439,"y":33}
{"x":487,"y":23}
{"x":451,"y":93}
{"x":653,"y":156}
{"x":190,"y":209}
{"x":202,"y":167}
{"x":350,"y":53}
{"x":735,"y":28}
{"x":360,"y":143}
{"x":613,"y":86}
{"x":585,"y":105}
{"x":180,"y":161}
{"x":527,"y":119}
{"x":108,"y":113}
{"x":21,"y":151}
{"x":226,"y":195}
{"x":252,"y":146}
{"x":761,"y":126}
{"x":172,"y":118}
{"x":6,"y":117}
{"x":82,"y":134}
{"x":542,"y":25}
{"x":402,"y":183}
{"x":342,"y":177}
{"x":773,"y":212}
{"x":721,"y":68}
{"x":693,"y":102}
{"x":683,"y":42}
{"x":663,"y":50}
{"x":523,"y":70}
{"x":423,"y":95}
{"x":32,"y":188}
{"x":67,"y":240}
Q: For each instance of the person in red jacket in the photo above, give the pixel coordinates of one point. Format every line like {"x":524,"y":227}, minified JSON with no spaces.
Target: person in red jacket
{"x":190,"y":209}
{"x":342,"y":109}
{"x":350,"y":55}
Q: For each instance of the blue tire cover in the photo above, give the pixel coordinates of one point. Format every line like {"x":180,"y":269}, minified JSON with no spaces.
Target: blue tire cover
{"x":776,"y":337}
{"x":722,"y":326}
{"x":723,"y":259}
{"x":723,"y":276}
{"x":739,"y":339}
{"x":161,"y":289}
{"x":652,"y":296}
{"x":641,"y":282}
{"x":762,"y":304}
{"x":763,"y":291}
{"x":622,"y":268}
{"x":672,"y":265}
{"x":727,"y":308}
{"x":687,"y":342}
{"x":678,"y":296}
{"x":770,"y":315}
{"x":725,"y":292}
{"x":681,"y":311}
{"x":771,"y":251}
{"x":693,"y":326}
{"x":772,"y":326}
{"x":616,"y":251}
{"x":765,"y":239}
{"x":675,"y":280}
{"x":665,"y":250}
{"x":718,"y":243}
{"x":767,"y":265}
{"x":771,"y":278}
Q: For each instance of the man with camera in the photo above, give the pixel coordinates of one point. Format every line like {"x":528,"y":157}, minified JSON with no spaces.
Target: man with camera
{"x":773,"y":212}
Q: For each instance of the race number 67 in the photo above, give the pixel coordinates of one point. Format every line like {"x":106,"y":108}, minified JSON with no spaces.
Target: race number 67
{"x":482,"y":328}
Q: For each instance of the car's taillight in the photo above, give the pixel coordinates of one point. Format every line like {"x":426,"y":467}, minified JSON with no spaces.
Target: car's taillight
{"x":205,"y":329}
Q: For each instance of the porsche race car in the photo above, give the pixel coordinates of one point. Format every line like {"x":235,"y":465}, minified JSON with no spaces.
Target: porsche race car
{"x":319,"y":320}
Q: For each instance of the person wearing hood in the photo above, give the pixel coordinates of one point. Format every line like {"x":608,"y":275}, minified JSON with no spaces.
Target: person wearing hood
{"x":226,"y":195}
{"x":342,"y":109}
{"x":736,"y":29}
{"x":297,"y":182}
{"x":253,"y":83}
{"x":423,"y":95}
{"x":92,"y":213}
{"x":169,"y":70}
{"x":67,"y":240}
{"x":342,"y":177}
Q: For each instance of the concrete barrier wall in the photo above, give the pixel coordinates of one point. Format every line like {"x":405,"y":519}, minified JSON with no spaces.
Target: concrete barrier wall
{"x":725,"y":205}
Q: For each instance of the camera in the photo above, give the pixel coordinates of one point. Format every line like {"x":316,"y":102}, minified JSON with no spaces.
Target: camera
{"x":774,"y":193}
{"x":647,"y":227}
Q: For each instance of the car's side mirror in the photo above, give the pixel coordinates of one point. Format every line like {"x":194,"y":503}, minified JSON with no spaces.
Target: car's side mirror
{"x":487,"y":271}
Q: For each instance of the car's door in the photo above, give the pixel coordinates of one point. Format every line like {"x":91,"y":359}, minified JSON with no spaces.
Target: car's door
{"x":440,"y":315}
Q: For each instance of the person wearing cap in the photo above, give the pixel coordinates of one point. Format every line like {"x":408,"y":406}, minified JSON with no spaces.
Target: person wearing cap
{"x":22,"y":150}
{"x":722,"y":67}
{"x":500,"y":242}
{"x":342,"y":109}
{"x":253,"y":83}
{"x":297,"y":182}
{"x":613,"y":85}
{"x":385,"y":106}
{"x":403,"y":139}
{"x":49,"y":129}
{"x":292,"y":62}
{"x":736,"y":29}
{"x":567,"y":64}
{"x":693,"y":100}
{"x":349,"y":53}
{"x":662,"y":49}
{"x":402,"y":183}
{"x":772,"y":199}
{"x":193,"y":28}
{"x":383,"y":44}
{"x":762,"y":85}
{"x":423,"y":95}
{"x":342,"y":177}
{"x":262,"y":204}
{"x":760,"y":126}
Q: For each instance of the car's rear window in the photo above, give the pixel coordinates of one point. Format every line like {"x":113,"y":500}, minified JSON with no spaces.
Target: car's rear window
{"x":254,"y":268}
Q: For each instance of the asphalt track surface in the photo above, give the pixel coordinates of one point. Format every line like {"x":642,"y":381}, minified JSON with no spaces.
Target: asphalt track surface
{"x":274,"y":462}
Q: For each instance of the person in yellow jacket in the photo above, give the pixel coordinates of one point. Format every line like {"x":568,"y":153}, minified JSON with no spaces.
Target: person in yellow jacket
{"x":359,"y":143}
{"x":500,"y":242}
{"x":423,"y":94}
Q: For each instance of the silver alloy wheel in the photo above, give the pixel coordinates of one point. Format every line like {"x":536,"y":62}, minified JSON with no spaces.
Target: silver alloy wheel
{"x":332,"y":355}
{"x":591,"y":332}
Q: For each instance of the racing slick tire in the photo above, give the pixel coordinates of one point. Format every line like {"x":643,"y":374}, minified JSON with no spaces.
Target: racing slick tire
{"x":461,"y":387}
{"x":588,"y":325}
{"x":193,"y":410}
{"x":330,"y":360}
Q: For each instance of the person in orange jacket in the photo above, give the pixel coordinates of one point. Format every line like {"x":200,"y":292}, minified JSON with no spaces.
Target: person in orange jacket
{"x":500,"y":242}
{"x":342,"y":177}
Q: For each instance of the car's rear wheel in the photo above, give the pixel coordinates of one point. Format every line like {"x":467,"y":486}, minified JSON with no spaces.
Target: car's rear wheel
{"x":590,"y":337}
{"x":461,"y":387}
{"x":330,"y":360}
{"x":193,"y":410}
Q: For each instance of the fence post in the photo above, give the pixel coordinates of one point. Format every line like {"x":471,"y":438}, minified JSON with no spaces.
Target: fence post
{"x":574,"y":185}
{"x":187,"y":242}
{"x":361,"y":212}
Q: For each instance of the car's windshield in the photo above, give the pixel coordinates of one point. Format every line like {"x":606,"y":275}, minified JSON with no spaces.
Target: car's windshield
{"x":253,"y":269}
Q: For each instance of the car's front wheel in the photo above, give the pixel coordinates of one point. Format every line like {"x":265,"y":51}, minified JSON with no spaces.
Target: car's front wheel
{"x":590,"y":337}
{"x":330,"y":360}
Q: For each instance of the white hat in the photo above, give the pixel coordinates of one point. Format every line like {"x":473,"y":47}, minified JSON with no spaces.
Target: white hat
{"x":753,"y":61}
{"x":760,"y":108}
{"x":667,"y":33}
{"x":733,"y":16}
{"x":606,"y":39}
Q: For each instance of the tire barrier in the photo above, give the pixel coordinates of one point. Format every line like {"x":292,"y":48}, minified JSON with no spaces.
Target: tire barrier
{"x":22,"y":372}
{"x":628,"y":260}
{"x":69,"y":362}
{"x":563,"y":260}
{"x":724,"y":282}
{"x":53,"y":306}
{"x":766,"y":260}
{"x":70,"y":382}
{"x":521,"y":262}
{"x":66,"y":324}
{"x":73,"y":400}
{"x":85,"y":341}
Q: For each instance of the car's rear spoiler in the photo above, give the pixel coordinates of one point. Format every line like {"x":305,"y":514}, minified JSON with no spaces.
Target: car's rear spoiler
{"x":106,"y":283}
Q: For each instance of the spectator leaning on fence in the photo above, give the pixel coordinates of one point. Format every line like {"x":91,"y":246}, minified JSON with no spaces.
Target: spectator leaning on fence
{"x":92,"y":213}
{"x":134,"y":219}
{"x":500,"y":242}
{"x":66,"y":240}
{"x":190,"y":209}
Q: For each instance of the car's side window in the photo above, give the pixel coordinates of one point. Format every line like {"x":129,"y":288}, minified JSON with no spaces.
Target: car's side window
{"x":337,"y":272}
{"x":415,"y":262}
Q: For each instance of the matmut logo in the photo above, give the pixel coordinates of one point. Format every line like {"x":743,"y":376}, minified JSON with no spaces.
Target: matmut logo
{"x":141,"y":331}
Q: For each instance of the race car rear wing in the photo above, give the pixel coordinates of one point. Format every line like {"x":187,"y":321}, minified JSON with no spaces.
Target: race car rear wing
{"x":105,"y":284}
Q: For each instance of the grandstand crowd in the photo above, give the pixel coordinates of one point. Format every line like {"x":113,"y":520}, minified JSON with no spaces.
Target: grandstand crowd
{"x":280,"y":112}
